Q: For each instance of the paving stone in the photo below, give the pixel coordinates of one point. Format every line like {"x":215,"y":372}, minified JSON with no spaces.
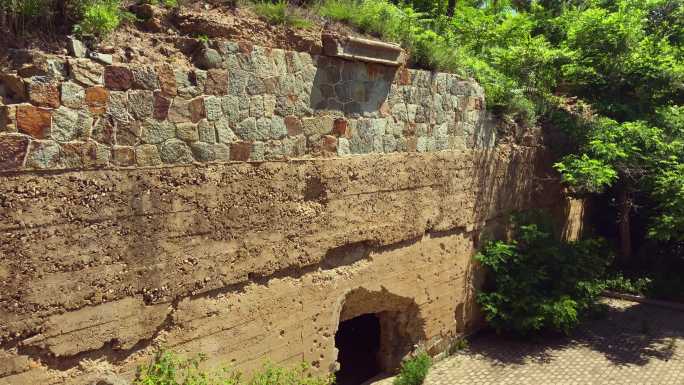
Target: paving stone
{"x":612,"y":350}
{"x":34,"y":121}
{"x":269,"y":105}
{"x":256,"y":106}
{"x":175,"y":151}
{"x":13,"y":149}
{"x":147,"y":155}
{"x":328,"y":145}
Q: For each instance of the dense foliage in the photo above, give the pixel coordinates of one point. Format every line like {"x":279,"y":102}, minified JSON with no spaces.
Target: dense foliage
{"x":166,"y":368}
{"x":623,"y":58}
{"x":414,"y":370}
{"x":539,"y":283}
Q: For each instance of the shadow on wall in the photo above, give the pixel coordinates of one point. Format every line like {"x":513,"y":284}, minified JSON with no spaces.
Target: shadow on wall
{"x":354,"y":89}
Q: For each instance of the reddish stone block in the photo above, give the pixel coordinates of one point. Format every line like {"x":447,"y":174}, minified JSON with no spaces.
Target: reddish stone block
{"x":34,"y":121}
{"x":161,"y":106}
{"x":184,"y":111}
{"x":240,"y":151}
{"x":294,"y":125}
{"x":14,"y":86}
{"x":123,"y":156}
{"x":167,"y":80}
{"x":44,"y":94}
{"x":385,"y":109}
{"x":96,"y":99}
{"x":409,"y":129}
{"x":475,"y":103}
{"x":8,"y":118}
{"x":341,"y":128}
{"x":412,"y":144}
{"x":13,"y":148}
{"x":217,"y":82}
{"x":197,"y":110}
{"x":328,"y":145}
{"x":118,"y":78}
{"x":404,"y":76}
{"x":245,"y":47}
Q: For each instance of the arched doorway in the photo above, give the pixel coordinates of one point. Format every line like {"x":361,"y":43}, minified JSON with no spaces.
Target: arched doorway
{"x":376,"y":330}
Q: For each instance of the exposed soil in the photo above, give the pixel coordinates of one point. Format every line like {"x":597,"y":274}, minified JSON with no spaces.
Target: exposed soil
{"x":169,"y":35}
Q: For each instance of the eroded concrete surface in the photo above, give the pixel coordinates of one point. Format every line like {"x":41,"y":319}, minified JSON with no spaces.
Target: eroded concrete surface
{"x":246,"y":261}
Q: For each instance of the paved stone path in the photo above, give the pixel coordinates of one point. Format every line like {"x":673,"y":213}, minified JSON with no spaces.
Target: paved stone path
{"x":636,"y":344}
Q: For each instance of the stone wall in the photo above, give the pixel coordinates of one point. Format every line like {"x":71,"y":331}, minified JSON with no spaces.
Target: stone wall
{"x":252,"y":103}
{"x":125,"y":228}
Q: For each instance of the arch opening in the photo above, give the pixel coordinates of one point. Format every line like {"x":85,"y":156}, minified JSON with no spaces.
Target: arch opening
{"x":377,"y":329}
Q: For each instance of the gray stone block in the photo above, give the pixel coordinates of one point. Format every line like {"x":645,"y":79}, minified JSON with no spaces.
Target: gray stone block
{"x":175,"y":151}
{"x":156,"y":132}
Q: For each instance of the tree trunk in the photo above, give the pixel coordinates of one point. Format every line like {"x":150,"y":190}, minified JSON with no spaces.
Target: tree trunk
{"x":451,"y":8}
{"x":624,"y":224}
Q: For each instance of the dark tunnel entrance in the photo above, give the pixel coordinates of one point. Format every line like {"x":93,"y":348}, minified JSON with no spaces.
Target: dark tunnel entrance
{"x":358,"y":342}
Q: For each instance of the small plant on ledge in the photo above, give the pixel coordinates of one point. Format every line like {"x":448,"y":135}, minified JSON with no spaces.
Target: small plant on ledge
{"x":414,"y":370}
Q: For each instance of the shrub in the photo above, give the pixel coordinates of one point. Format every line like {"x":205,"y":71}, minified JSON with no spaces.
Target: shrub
{"x":166,"y":3}
{"x":166,"y":368}
{"x":539,"y":283}
{"x":274,"y":375}
{"x":414,"y":370}
{"x":100,"y":18}
{"x":280,"y":12}
{"x":620,"y":284}
{"x":459,"y":345}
